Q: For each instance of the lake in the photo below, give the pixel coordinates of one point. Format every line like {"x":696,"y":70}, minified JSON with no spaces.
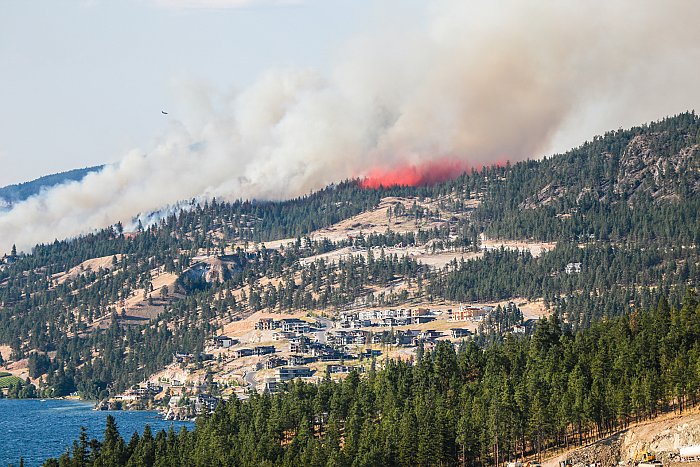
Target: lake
{"x":39,"y":430}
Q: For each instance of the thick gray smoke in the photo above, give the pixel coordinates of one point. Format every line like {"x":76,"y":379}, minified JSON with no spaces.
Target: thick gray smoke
{"x":479,"y":81}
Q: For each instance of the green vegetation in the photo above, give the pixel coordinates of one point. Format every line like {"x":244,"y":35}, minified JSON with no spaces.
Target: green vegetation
{"x":624,"y":208}
{"x":15,"y":387}
{"x":633,"y":229}
{"x":7,"y":380}
{"x":470,"y":407}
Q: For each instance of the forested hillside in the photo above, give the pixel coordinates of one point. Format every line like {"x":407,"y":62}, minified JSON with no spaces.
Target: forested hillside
{"x":99,"y":313}
{"x":625,"y":206}
{"x":469,"y":407}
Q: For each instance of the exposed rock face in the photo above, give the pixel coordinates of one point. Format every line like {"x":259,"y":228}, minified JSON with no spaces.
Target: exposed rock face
{"x":663,"y":438}
{"x":644,"y":169}
{"x":605,"y":453}
{"x":213,"y":269}
{"x":660,"y":166}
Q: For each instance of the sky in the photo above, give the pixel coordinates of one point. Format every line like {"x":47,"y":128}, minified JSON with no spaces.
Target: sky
{"x":83,"y":82}
{"x":271,"y":99}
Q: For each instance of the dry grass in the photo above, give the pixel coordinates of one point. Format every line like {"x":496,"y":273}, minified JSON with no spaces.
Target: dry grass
{"x":5,"y":351}
{"x":94,"y":264}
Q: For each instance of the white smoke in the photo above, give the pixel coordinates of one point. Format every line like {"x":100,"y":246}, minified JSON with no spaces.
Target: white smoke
{"x":481,"y":81}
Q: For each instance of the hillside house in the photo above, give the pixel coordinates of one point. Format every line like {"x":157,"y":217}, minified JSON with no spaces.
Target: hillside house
{"x":367,"y":315}
{"x":295,"y":360}
{"x":336,"y":337}
{"x":299,"y":344}
{"x":359,"y":323}
{"x":469,"y":313}
{"x":264,"y":350}
{"x":180,"y":357}
{"x":342,"y":369}
{"x":370,"y":353}
{"x":419,"y":312}
{"x":390,"y":322}
{"x":240,"y":353}
{"x":281,"y":335}
{"x":458,"y":333}
{"x":421,"y":319}
{"x":406,"y":337}
{"x":287,"y":373}
{"x":272,"y":386}
{"x":267,"y":324}
{"x":327,"y":354}
{"x":429,"y":335}
{"x":205,"y":403}
{"x":274,"y":362}
{"x":223,"y":342}
{"x":295,"y":325}
{"x":380,"y":337}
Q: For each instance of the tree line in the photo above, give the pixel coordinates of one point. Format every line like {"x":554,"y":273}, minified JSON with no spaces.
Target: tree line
{"x":469,"y":406}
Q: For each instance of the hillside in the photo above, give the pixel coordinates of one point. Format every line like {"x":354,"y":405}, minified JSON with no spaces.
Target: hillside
{"x":596,"y":234}
{"x":13,"y":194}
{"x":663,"y":436}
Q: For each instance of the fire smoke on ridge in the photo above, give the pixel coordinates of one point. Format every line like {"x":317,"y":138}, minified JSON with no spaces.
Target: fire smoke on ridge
{"x":480,"y":82}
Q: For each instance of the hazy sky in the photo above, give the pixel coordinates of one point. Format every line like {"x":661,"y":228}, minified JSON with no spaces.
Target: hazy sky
{"x":270,"y":99}
{"x":83,"y":82}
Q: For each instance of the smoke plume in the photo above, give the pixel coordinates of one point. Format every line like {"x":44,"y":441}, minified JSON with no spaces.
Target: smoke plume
{"x":479,"y":82}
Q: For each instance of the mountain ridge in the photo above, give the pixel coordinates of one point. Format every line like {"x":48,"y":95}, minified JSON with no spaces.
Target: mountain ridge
{"x":18,"y":192}
{"x":100,"y":313}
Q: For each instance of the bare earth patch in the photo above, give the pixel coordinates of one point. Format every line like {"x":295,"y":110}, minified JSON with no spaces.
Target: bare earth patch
{"x":94,"y":264}
{"x":663,"y":436}
{"x":5,"y":351}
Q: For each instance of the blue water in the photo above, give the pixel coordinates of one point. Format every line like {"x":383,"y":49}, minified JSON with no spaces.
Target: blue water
{"x":38,"y":430}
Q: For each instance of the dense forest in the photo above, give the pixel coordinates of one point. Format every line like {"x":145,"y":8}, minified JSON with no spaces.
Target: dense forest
{"x":473,"y":406}
{"x":624,"y":206}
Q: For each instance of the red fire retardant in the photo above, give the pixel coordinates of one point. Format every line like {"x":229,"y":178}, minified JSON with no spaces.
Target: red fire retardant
{"x":425,"y":173}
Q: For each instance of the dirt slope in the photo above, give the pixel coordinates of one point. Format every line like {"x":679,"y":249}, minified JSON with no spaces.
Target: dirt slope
{"x":663,"y":436}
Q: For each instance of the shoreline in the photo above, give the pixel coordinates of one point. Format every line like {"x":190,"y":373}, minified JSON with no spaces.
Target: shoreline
{"x":49,"y":428}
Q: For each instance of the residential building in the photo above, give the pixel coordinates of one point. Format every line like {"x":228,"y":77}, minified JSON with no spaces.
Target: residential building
{"x":299,"y":344}
{"x":183,"y":357}
{"x":344,"y":369}
{"x":223,"y":342}
{"x":420,"y":319}
{"x":458,"y":333}
{"x":272,"y":385}
{"x":280,"y":335}
{"x":419,"y":312}
{"x":429,"y":334}
{"x":239,"y":353}
{"x":294,"y":325}
{"x":274,"y":362}
{"x":205,"y":403}
{"x":406,"y":337}
{"x":469,"y":313}
{"x":266,"y":324}
{"x":264,"y":350}
{"x":287,"y":373}
{"x":295,"y":360}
